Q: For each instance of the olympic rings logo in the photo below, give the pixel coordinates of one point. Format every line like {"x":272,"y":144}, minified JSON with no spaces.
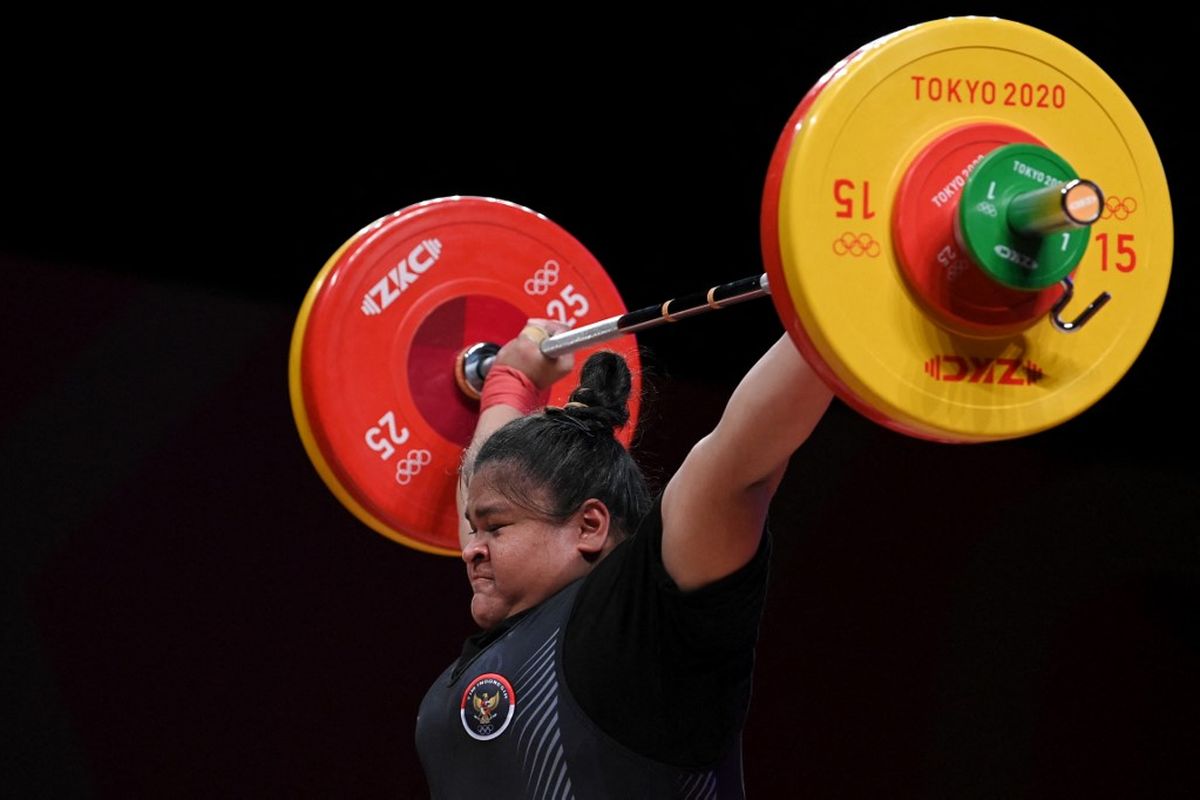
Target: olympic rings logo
{"x":409,"y":466}
{"x":543,"y":279}
{"x":984,"y":207}
{"x":860,"y":245}
{"x":1118,"y":207}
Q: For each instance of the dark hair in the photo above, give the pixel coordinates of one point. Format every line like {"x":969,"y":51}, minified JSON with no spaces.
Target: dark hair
{"x":555,"y":460}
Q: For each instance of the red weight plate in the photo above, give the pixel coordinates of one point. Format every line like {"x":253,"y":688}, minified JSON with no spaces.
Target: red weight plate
{"x":439,"y":338}
{"x":940,"y":274}
{"x":388,"y":316}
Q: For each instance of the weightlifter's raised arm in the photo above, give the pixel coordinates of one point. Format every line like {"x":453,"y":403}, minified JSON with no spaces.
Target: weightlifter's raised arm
{"x":715,"y":506}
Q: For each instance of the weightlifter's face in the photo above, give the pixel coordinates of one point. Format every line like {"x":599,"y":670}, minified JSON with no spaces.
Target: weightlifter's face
{"x":514,"y":559}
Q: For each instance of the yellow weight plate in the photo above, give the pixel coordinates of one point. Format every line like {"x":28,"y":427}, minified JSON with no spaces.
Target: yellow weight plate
{"x":852,"y":149}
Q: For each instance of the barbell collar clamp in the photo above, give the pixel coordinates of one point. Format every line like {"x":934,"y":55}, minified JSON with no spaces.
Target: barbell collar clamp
{"x":1081,"y":320}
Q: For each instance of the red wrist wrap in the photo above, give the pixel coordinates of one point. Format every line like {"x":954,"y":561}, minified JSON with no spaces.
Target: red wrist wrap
{"x":508,"y":386}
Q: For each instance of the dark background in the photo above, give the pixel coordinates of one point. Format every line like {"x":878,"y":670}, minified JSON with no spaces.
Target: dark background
{"x":189,"y":612}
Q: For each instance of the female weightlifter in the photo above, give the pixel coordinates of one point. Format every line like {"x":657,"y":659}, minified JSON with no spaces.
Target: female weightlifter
{"x":618,"y":629}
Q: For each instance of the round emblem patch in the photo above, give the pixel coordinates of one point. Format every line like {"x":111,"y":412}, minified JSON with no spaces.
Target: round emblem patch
{"x":488,"y":705}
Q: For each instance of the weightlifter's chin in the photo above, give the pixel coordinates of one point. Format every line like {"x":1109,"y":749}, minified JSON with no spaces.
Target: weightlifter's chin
{"x":486,"y":609}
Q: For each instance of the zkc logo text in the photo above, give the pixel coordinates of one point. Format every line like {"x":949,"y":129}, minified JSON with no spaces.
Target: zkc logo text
{"x":401,"y":276}
{"x":1004,"y":371}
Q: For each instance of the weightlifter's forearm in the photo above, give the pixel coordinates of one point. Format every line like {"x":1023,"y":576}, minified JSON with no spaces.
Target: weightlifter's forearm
{"x":770,"y":414}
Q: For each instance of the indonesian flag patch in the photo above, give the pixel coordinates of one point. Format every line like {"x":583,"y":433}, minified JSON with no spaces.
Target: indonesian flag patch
{"x":488,"y":705}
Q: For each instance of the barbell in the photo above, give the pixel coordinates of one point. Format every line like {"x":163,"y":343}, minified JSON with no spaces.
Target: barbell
{"x":929,"y":246}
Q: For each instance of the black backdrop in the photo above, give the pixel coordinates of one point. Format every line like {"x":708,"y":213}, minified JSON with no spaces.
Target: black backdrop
{"x":190,"y":613}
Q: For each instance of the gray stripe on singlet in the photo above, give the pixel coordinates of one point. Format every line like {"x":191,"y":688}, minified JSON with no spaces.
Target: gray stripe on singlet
{"x":539,"y":740}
